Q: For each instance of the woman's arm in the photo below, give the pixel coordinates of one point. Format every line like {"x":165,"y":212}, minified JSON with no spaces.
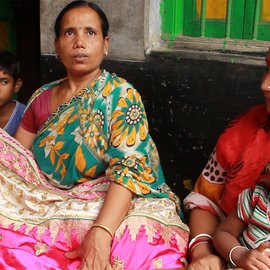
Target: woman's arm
{"x":227,"y":244}
{"x":26,"y":138}
{"x":202,"y":255}
{"x":227,"y":235}
{"x":115,"y":207}
{"x":202,"y":222}
{"x":205,"y":216}
{"x":95,"y":248}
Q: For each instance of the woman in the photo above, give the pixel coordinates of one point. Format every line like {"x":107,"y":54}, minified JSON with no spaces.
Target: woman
{"x":96,"y":197}
{"x":240,"y":159}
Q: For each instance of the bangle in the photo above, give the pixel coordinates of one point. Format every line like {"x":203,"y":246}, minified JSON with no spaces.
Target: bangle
{"x":197,"y":237}
{"x":231,"y":251}
{"x":107,"y":229}
{"x":196,"y":244}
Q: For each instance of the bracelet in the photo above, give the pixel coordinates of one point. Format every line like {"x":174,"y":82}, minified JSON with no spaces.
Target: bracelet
{"x":196,"y":244}
{"x":197,"y":237}
{"x":231,"y":251}
{"x":107,"y":229}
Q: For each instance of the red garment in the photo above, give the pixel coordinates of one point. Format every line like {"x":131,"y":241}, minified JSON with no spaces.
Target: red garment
{"x":38,"y":112}
{"x":243,"y":151}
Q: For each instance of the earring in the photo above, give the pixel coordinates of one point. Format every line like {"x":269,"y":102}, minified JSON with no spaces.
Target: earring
{"x":106,"y":53}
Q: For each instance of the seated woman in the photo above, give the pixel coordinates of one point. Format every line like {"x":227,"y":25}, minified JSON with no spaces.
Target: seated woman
{"x":91,"y":194}
{"x":241,"y":158}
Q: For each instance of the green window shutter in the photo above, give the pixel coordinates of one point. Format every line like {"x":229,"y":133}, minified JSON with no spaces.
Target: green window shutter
{"x":243,"y":20}
{"x":194,"y":26}
{"x":191,"y":19}
{"x":172,"y":12}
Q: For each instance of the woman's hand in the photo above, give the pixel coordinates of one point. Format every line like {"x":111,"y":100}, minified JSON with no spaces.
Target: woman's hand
{"x":96,"y":247}
{"x":208,"y":262}
{"x":254,"y":259}
{"x":94,"y":250}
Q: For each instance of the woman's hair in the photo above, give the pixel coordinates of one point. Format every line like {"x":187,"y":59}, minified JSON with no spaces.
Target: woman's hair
{"x":81,"y":3}
{"x":9,"y":64}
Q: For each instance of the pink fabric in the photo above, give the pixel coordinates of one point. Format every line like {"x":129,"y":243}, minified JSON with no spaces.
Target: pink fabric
{"x":156,"y":251}
{"x":18,"y":251}
{"x":37,"y":228}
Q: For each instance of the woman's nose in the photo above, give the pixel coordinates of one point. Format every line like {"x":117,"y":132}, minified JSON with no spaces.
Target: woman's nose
{"x":79,"y":42}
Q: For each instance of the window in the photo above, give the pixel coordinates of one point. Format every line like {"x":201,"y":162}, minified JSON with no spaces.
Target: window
{"x":235,"y":22}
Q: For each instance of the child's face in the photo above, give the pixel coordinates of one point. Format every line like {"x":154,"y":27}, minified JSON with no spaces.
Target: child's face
{"x":7,"y":88}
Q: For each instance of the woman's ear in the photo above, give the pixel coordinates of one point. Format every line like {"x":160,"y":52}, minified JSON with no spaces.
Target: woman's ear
{"x":106,"y":45}
{"x":18,"y":85}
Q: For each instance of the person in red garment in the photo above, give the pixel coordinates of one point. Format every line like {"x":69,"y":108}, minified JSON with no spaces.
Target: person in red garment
{"x":240,"y":158}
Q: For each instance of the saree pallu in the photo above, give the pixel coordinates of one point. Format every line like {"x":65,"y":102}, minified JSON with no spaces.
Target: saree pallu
{"x":39,"y":223}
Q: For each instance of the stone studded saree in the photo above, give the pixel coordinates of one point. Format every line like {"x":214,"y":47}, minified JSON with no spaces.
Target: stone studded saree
{"x":50,"y":196}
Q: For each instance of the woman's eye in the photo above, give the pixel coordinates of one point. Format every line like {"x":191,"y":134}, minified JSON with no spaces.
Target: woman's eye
{"x":90,"y":32}
{"x":69,"y":33}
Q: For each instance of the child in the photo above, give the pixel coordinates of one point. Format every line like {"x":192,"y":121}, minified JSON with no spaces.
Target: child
{"x":10,"y":110}
{"x":242,"y":238}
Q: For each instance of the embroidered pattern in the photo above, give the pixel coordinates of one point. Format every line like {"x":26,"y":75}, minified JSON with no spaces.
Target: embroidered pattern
{"x":157,"y":263}
{"x":118,"y":264}
{"x":41,"y":248}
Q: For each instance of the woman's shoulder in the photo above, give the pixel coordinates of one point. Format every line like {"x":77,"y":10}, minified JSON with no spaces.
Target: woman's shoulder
{"x":116,"y":85}
{"x":116,"y":80}
{"x":44,"y":90}
{"x":49,"y":85}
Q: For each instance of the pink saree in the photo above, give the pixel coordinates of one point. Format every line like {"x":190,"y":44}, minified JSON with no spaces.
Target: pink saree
{"x":39,"y":222}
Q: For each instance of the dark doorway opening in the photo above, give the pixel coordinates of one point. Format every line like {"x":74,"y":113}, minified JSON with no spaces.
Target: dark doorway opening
{"x":27,"y":28}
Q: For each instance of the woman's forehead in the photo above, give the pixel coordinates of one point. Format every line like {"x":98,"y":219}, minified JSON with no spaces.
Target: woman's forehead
{"x":81,"y":16}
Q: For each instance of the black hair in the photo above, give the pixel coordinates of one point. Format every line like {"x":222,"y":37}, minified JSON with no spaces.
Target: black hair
{"x":81,"y":3}
{"x":9,"y":64}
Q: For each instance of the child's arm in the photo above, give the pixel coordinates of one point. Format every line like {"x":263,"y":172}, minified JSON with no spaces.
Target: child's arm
{"x":227,"y":244}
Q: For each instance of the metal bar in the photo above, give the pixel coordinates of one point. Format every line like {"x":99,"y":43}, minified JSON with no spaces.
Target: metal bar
{"x":203,"y":17}
{"x":228,"y":18}
{"x":257,"y":17}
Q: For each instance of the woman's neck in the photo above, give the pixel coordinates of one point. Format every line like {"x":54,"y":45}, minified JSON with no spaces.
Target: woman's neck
{"x":76,"y":83}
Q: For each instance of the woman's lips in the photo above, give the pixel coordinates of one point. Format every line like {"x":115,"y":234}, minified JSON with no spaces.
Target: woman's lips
{"x":79,"y":57}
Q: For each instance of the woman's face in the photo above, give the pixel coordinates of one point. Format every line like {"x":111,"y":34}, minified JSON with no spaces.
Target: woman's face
{"x":266,"y":90}
{"x":81,"y":45}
